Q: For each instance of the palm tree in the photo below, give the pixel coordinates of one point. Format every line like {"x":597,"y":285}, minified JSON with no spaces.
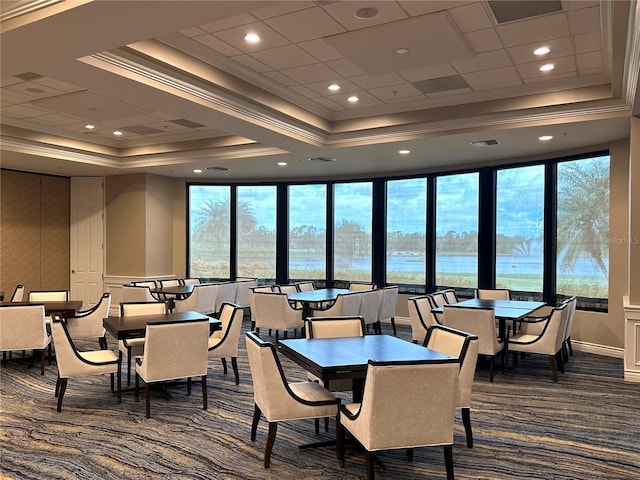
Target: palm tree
{"x":583,"y":213}
{"x":214,"y":221}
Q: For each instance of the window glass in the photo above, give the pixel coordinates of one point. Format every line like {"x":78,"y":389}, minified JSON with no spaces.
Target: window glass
{"x":307,"y":232}
{"x":457,"y":230}
{"x":352,"y":231}
{"x":209,"y":231}
{"x":520,"y":228}
{"x":406,"y":231}
{"x":583,"y":228}
{"x":256,"y":225}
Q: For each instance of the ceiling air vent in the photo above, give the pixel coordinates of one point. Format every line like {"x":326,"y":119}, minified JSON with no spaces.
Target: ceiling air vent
{"x":322,"y":159}
{"x":186,"y":123}
{"x":510,"y":10}
{"x":484,"y":143}
{"x":219,"y":169}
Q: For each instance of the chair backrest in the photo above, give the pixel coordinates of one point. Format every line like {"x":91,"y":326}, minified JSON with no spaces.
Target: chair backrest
{"x":137,"y":293}
{"x":18,"y":294}
{"x":88,"y":323}
{"x":550,"y":339}
{"x":420,"y":316}
{"x":242,"y":290}
{"x":306,"y":286}
{"x":170,"y":282}
{"x":479,"y":321}
{"x":369,"y":306}
{"x":229,"y":335}
{"x":146,"y":283}
{"x":401,"y":408}
{"x":388,"y":302}
{"x":346,"y":305}
{"x":291,"y":288}
{"x":457,"y":344}
{"x":450,"y":295}
{"x":175,"y":350}
{"x":272,"y":310}
{"x":571,"y":302}
{"x":187,"y":304}
{"x":22,"y":327}
{"x":206,"y":299}
{"x":252,"y":290}
{"x":190,"y":281}
{"x":438,"y":298}
{"x":362,"y":286}
{"x":334,"y":327}
{"x":493,"y":293}
{"x":131,"y":309}
{"x":48,"y":295}
{"x":226,"y":294}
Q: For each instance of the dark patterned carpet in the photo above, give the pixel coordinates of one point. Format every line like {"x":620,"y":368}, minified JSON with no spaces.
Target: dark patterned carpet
{"x":586,"y":426}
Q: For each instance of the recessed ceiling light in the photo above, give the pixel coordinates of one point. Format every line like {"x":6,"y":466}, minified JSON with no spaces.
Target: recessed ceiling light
{"x":401,"y":51}
{"x":541,"y":51}
{"x":282,"y":164}
{"x":197,"y":170}
{"x":118,"y":133}
{"x":366,"y":12}
{"x":545,"y":138}
{"x":252,"y":37}
{"x":334,"y":87}
{"x":88,"y":126}
{"x":353,"y":99}
{"x":547,"y":68}
{"x":404,"y":152}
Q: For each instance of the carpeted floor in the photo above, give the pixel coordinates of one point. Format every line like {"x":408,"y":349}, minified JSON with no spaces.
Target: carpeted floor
{"x":525,"y":427}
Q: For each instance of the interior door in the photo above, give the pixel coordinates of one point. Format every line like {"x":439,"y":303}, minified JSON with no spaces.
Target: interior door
{"x":87,"y":239}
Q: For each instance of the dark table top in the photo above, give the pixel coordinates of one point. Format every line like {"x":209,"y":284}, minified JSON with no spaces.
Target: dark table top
{"x":319,"y":295}
{"x":123,"y":328}
{"x":503,"y":309}
{"x":66,"y":308}
{"x":176,"y":290}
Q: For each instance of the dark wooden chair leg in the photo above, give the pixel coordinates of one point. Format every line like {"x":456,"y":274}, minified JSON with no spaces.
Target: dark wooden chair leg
{"x":136,"y":388}
{"x":42,"y":362}
{"x":128,"y":366}
{"x":63,"y":388}
{"x":393,"y":325}
{"x":189,"y":386}
{"x":316,"y":422}
{"x":57,"y":386}
{"x":466,"y":420}
{"x":370,"y":456}
{"x":254,"y":423}
{"x":147,"y":400}
{"x":491,"y":362}
{"x":448,"y":461}
{"x":410,"y":454}
{"x":273,"y":428}
{"x":339,"y":442}
{"x":224,"y":365}
{"x":234,"y":365}
{"x":554,"y":368}
{"x":205,"y":402}
{"x":569,"y":345}
{"x":103,"y":342}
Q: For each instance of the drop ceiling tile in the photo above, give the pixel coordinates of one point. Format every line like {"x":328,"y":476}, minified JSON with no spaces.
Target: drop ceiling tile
{"x":563,"y":65}
{"x":395,"y":92}
{"x":584,"y":20}
{"x":169,"y":127}
{"x":6,"y":81}
{"x":57,"y":85}
{"x":235,"y":37}
{"x":366,"y":100}
{"x":489,"y":79}
{"x":578,"y":4}
{"x":414,"y":8}
{"x":192,"y":32}
{"x":534,"y":30}
{"x":344,"y":67}
{"x":24,"y":111}
{"x":14,"y":98}
{"x":319,"y":49}
{"x":445,"y":93}
{"x":413,"y":98}
{"x":367,"y":82}
{"x":330,"y":104}
{"x":589,"y":61}
{"x":344,"y":13}
{"x":550,"y":77}
{"x":288,"y":56}
{"x":425,"y":73}
{"x":304,"y":91}
{"x":218,"y":45}
{"x":470,"y":18}
{"x":230,"y":22}
{"x":282,"y":8}
{"x":484,"y":40}
{"x":595,"y":71}
{"x":311,"y":73}
{"x":560,"y":47}
{"x":139,"y":119}
{"x":306,"y":24}
{"x":345,"y":87}
{"x":483,"y":61}
{"x":34,"y":90}
{"x":56,"y":119}
{"x":588,"y":42}
{"x":250,"y":62}
{"x":280,"y":78}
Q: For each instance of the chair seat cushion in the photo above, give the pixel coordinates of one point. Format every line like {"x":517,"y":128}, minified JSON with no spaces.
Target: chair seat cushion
{"x":135,"y":344}
{"x":213,"y":341}
{"x":312,"y":391}
{"x":99,"y":356}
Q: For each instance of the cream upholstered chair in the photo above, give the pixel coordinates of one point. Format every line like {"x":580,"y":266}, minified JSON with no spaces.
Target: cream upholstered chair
{"x":360,"y":286}
{"x":172,"y":351}
{"x":420,"y":316}
{"x":74,"y":363}
{"x":138,"y":293}
{"x":88,"y":324}
{"x":369,"y":306}
{"x":571,"y":306}
{"x":187,"y":304}
{"x":223,"y":343}
{"x":18,"y":293}
{"x":206,"y":298}
{"x":305,"y":286}
{"x":436,"y":299}
{"x":190,"y":281}
{"x":146,"y":283}
{"x":404,"y":406}
{"x":226,"y":294}
{"x":450,"y":295}
{"x":279,"y":400}
{"x":23,"y":327}
{"x":481,"y":322}
{"x":49,"y":295}
{"x":345,"y":305}
{"x":464,"y":346}
{"x":242,"y":291}
{"x":273,"y":311}
{"x":169,"y":282}
{"x":548,"y":342}
{"x":134,"y":347}
{"x":387,"y":305}
{"x":252,"y":306}
{"x":290,"y":288}
{"x":493,"y":293}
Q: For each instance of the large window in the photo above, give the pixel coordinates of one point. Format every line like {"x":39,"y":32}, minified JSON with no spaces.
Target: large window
{"x":307,"y":232}
{"x":256,"y":231}
{"x":520,"y":228}
{"x":352,"y":231}
{"x":583,"y":228}
{"x":457,"y":230}
{"x":209,"y":231}
{"x":406,"y":231}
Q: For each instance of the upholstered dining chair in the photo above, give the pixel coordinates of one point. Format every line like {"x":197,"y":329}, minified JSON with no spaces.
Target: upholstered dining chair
{"x":362,"y":286}
{"x":345,"y":305}
{"x":134,"y":347}
{"x":88,"y":324}
{"x":173,"y":351}
{"x":223,"y":343}
{"x":436,"y":299}
{"x":493,"y":293}
{"x":289,"y":288}
{"x":252,"y":304}
{"x":138,"y":293}
{"x":169,"y":282}
{"x":481,"y":322}
{"x":242,"y":291}
{"x":571,"y":306}
{"x":548,"y":342}
{"x":49,"y":295}
{"x":279,"y":400}
{"x":450,"y":295}
{"x":18,"y":293}
{"x":75,"y":363}
{"x":305,"y":286}
{"x":23,"y":327}
{"x":187,"y":304}
{"x":387,"y":305}
{"x":146,"y":283}
{"x":464,"y":346}
{"x":190,"y":281}
{"x":369,"y":306}
{"x":226,"y":294}
{"x":273,"y":311}
{"x":404,"y":406}
{"x":206,"y":298}
{"x":420,"y":316}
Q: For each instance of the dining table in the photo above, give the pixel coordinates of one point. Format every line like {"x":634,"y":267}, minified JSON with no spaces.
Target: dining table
{"x":172,"y":293}
{"x":314,"y":297}
{"x":64,"y":308}
{"x":504,"y":310}
{"x":127,"y":327}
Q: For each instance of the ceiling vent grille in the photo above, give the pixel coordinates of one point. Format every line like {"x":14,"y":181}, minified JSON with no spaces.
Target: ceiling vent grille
{"x":186,"y":123}
{"x":29,"y":76}
{"x":322,"y":159}
{"x":509,"y":10}
{"x":484,"y":143}
{"x":218,"y":169}
{"x":140,"y":129}
{"x":441,"y":84}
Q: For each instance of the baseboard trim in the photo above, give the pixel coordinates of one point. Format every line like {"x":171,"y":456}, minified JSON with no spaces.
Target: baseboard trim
{"x":632,"y":376}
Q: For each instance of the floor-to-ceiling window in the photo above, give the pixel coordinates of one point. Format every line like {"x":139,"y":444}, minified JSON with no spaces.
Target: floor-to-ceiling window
{"x":307,"y":232}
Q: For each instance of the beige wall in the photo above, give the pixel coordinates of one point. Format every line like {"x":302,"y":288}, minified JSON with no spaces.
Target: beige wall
{"x":633,"y":185}
{"x":34,"y":234}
